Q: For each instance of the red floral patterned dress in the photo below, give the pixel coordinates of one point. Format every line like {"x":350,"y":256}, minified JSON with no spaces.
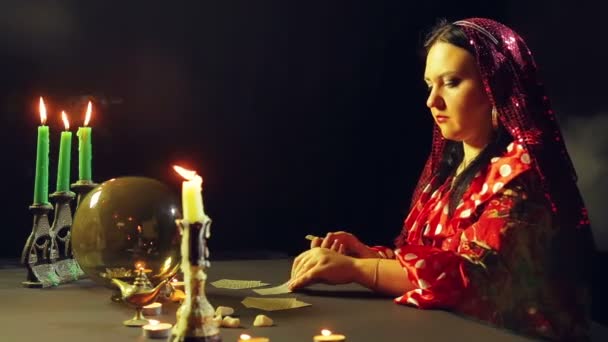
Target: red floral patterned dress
{"x":487,"y":259}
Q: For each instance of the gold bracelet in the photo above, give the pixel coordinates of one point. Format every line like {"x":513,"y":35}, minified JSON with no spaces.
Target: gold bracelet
{"x":376,"y":273}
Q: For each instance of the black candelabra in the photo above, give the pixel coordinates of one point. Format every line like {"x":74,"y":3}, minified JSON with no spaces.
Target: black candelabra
{"x":47,"y":254}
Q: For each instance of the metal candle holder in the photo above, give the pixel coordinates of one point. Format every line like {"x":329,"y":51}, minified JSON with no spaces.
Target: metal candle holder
{"x":82,"y":188}
{"x":195,"y":321}
{"x":47,"y":254}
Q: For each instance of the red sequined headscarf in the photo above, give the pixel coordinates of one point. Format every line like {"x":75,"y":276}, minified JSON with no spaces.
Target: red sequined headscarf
{"x":511,"y":81}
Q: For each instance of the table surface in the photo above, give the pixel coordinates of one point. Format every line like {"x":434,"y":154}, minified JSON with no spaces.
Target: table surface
{"x":83,"y":311}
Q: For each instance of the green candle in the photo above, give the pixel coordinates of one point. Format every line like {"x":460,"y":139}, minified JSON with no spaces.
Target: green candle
{"x":41,"y":182}
{"x":85,"y":148}
{"x":65,"y":152}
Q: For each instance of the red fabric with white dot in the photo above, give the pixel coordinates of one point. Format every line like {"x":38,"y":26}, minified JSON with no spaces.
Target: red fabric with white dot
{"x":437,"y":244}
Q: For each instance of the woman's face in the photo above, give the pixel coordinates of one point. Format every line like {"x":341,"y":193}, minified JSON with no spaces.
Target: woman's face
{"x":457,"y":98}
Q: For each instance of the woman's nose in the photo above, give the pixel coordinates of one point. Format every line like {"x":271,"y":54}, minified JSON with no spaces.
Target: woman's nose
{"x":434,"y":100}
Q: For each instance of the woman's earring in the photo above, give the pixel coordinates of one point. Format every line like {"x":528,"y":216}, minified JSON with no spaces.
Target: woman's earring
{"x":494,"y":118}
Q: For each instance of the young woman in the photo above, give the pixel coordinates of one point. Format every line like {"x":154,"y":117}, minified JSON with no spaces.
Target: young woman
{"x":497,"y":229}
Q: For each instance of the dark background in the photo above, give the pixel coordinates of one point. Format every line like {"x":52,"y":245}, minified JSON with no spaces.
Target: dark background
{"x":302,"y":116}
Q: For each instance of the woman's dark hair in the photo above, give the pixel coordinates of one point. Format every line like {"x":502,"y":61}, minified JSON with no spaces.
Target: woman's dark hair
{"x":453,"y":152}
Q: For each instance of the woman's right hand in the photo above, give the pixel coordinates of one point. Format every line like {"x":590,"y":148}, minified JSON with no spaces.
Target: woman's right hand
{"x":344,"y":243}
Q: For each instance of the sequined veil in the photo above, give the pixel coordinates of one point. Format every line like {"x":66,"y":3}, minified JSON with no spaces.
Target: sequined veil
{"x":510,"y":77}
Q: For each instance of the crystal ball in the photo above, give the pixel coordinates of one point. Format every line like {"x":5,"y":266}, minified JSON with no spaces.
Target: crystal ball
{"x":125,"y":224}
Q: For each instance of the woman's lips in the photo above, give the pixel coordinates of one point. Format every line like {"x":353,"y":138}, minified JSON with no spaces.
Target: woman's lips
{"x":441,"y":118}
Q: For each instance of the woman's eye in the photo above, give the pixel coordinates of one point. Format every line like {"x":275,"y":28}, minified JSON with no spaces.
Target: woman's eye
{"x":451,"y":83}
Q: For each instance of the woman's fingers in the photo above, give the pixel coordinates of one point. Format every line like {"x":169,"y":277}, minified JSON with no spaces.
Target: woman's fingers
{"x":297,"y":262}
{"x":316,"y":242}
{"x":327,"y":241}
{"x":335,"y":245}
{"x":304,"y":269}
{"x":341,"y":249}
{"x":306,"y":279}
{"x":303,"y":264}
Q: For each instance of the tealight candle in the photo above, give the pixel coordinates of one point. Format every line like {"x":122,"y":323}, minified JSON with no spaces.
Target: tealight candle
{"x":155,"y":329}
{"x":328,"y":336}
{"x":153,"y":309}
{"x":247,"y":338}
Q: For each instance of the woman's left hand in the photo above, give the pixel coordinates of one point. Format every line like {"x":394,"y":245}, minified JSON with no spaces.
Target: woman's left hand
{"x":321,"y":265}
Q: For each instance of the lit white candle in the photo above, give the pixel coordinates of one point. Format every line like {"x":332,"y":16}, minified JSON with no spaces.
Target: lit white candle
{"x":155,"y":329}
{"x":328,"y":336}
{"x":192,"y":195}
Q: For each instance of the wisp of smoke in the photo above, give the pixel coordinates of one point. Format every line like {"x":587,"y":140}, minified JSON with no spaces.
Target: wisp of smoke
{"x":587,"y":142}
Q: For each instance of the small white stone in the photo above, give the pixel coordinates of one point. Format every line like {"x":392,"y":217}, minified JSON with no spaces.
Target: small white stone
{"x":525,"y":158}
{"x":423,"y":284}
{"x":262,"y":321}
{"x":420,"y":264}
{"x":224,"y":311}
{"x":229,"y":322}
{"x":413,"y":301}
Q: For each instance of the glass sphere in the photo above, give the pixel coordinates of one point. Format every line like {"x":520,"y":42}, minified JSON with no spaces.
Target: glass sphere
{"x":124,"y":224}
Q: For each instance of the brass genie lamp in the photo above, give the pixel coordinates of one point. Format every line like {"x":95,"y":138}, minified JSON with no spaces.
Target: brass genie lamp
{"x":138,"y":295}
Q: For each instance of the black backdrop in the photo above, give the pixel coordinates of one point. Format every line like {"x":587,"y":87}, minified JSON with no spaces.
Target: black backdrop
{"x":302,"y":117}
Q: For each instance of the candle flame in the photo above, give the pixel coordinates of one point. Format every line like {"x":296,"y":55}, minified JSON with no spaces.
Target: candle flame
{"x":42,"y":109}
{"x":325,"y":332}
{"x":140,"y":265}
{"x":66,"y":122}
{"x":87,"y":116}
{"x":187,"y":174}
{"x":245,"y":337}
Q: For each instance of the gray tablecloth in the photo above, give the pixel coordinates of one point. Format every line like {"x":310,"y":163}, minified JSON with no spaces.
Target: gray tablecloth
{"x":83,"y":311}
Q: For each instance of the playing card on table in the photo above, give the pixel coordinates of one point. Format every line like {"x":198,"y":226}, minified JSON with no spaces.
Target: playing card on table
{"x":281,"y":289}
{"x":273,"y":304}
{"x":234,"y":284}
